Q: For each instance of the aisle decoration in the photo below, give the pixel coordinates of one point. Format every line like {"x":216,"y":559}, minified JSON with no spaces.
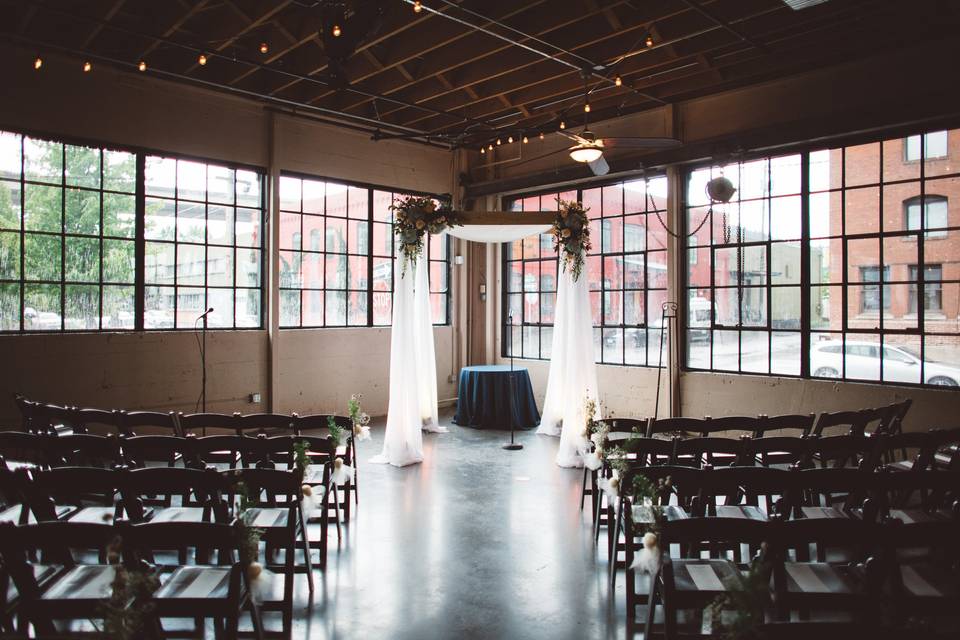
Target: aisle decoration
{"x":595,"y":432}
{"x":644,"y":492}
{"x":336,"y":431}
{"x":571,"y":236}
{"x":416,"y":216}
{"x":259,"y":579}
{"x":126,"y":612}
{"x":739,"y":611}
{"x":341,"y":472}
{"x":360,"y":420}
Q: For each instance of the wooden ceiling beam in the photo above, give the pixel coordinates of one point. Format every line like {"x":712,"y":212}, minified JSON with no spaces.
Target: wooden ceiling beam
{"x":440,"y":37}
{"x":175,"y":26}
{"x":470,"y":56}
{"x":251,"y":24}
{"x":401,"y":23}
{"x":98,"y":27}
{"x":528,"y":89}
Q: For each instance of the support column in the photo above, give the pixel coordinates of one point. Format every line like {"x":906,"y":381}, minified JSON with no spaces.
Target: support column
{"x":676,"y":273}
{"x":272,"y":293}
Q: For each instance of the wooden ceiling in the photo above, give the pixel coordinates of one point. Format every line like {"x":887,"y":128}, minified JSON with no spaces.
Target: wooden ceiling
{"x":464,"y":72}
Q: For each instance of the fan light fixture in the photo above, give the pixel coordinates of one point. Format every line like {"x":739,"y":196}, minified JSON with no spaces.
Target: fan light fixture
{"x":585,"y":153}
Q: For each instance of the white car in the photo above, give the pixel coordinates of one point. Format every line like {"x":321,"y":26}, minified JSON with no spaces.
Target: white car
{"x":863,"y":363}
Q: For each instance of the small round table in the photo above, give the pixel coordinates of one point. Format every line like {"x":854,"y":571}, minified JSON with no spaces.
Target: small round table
{"x":483,"y":400}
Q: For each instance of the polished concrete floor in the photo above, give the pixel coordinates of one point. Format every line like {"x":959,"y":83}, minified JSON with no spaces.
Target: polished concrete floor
{"x":475,"y":542}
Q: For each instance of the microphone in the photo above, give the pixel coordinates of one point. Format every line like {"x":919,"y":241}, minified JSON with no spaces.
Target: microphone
{"x":206,"y":313}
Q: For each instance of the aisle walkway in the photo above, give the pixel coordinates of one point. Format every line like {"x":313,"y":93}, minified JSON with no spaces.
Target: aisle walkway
{"x":476,"y":542}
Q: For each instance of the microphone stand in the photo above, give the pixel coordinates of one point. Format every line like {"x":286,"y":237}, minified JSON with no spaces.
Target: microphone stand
{"x":203,"y":360}
{"x":512,"y":446}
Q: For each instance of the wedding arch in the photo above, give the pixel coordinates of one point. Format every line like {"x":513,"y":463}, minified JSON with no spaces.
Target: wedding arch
{"x":412,"y":406}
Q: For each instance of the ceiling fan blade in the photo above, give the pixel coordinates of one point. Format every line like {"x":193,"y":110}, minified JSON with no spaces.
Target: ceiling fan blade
{"x":599,"y":166}
{"x":640,"y":143}
{"x":576,"y":138}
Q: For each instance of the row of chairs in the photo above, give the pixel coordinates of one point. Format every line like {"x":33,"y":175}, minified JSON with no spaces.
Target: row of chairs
{"x":818,"y":496}
{"x":870,"y":580}
{"x":73,"y":583}
{"x":47,"y":419}
{"x":92,"y":496}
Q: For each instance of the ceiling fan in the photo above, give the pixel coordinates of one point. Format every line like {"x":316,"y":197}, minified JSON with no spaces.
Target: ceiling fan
{"x":589,"y":148}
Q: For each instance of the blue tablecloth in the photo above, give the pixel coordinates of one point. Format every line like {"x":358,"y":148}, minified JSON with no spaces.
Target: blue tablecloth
{"x":484,"y":398}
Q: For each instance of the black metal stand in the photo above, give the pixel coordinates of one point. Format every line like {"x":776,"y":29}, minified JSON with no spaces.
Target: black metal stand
{"x":668,"y":321}
{"x":512,"y":446}
{"x":203,"y":365}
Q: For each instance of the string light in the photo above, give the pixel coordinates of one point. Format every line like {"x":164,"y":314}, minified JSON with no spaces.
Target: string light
{"x":336,"y":31}
{"x":483,"y":149}
{"x":264,"y":47}
{"x":541,"y":135}
{"x":563,"y":125}
{"x":510,"y":140}
{"x":417,"y":7}
{"x":87,"y":66}
{"x":586,"y":107}
{"x":618,"y":81}
{"x":202,"y":60}
{"x":38,"y":63}
{"x":498,"y":142}
{"x":142,"y":66}
{"x":490,"y":147}
{"x":525,"y":140}
{"x":649,"y":40}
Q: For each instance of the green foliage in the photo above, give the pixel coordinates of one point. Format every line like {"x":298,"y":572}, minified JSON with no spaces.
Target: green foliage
{"x":571,"y":235}
{"x":300,"y":457}
{"x":747,"y":596}
{"x":127,"y":611}
{"x":336,"y":431}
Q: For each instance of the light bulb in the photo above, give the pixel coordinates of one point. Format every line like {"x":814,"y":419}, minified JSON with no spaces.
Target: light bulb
{"x":264,"y":47}
{"x":510,"y":140}
{"x":649,"y":40}
{"x":498,"y":142}
{"x":586,"y":107}
{"x":202,"y":60}
{"x":541,"y":135}
{"x":336,"y":31}
{"x":490,"y":147}
{"x":483,"y":149}
{"x":417,"y":7}
{"x":38,"y":63}
{"x":525,"y":140}
{"x":563,"y":125}
{"x":142,"y":66}
{"x":618,"y":81}
{"x":87,"y":67}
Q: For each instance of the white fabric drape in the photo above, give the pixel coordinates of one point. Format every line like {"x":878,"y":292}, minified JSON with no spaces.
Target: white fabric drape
{"x":573,"y":372}
{"x":496,"y":232}
{"x":426,"y":360}
{"x":403,"y":441}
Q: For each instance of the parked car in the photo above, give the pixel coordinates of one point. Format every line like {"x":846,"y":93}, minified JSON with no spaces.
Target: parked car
{"x":863,"y":362}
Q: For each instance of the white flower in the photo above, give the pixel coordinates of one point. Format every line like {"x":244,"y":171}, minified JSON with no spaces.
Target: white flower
{"x":364,"y":419}
{"x":597,"y":439}
{"x":364,"y":434}
{"x":592,"y":461}
{"x":342,"y":473}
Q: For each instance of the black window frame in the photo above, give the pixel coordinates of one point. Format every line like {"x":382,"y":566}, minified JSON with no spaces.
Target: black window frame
{"x":140,"y":154}
{"x":371,"y":255}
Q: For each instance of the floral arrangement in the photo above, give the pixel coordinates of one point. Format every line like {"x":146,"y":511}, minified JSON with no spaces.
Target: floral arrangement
{"x":571,"y":235}
{"x":414,"y":217}
{"x":748,"y":597}
{"x":126,"y":612}
{"x":301,"y":457}
{"x":248,"y":542}
{"x":336,"y":431}
{"x":360,"y":420}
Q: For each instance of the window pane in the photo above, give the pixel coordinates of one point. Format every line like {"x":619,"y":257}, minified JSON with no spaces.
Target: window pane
{"x":159,"y":263}
{"x":82,"y":260}
{"x":41,"y":307}
{"x":9,"y":307}
{"x":119,"y":171}
{"x":158,"y":308}
{"x":119,"y":215}
{"x":160,"y":219}
{"x":43,"y":161}
{"x":42,"y":208}
{"x":247,"y":307}
{"x":9,"y":256}
{"x":222,"y":302}
{"x":83,"y":166}
{"x":82,"y":306}
{"x":118,"y":307}
{"x":289,"y":308}
{"x":191,"y":303}
{"x":42,"y":257}
{"x":10,"y":156}
{"x":161,"y":176}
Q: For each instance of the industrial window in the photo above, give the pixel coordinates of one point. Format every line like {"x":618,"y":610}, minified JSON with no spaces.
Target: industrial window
{"x":71,"y":255}
{"x":627,"y":271}
{"x":817,"y":265}
{"x":343,"y":274}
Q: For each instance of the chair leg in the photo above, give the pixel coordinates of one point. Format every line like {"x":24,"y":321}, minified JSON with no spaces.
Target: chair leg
{"x":232,"y":626}
{"x":613,"y":560}
{"x":255,"y":619}
{"x":336,"y":506}
{"x":347,"y":488}
{"x":651,"y":608}
{"x":583,"y":488}
{"x":306,"y":549}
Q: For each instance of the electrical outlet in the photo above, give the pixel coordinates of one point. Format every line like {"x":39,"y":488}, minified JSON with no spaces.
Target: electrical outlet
{"x":253,"y":398}
{"x":450,"y":378}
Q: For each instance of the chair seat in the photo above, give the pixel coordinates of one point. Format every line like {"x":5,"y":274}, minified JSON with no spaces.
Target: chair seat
{"x":900,"y":465}
{"x":178,"y":514}
{"x":747,"y":511}
{"x":927,"y":580}
{"x":196,"y":582}
{"x":314,"y":475}
{"x":82,"y":582}
{"x":41,"y":573}
{"x":823,"y":512}
{"x":911,"y":516}
{"x":821,"y":578}
{"x":643,"y":514}
{"x":14,"y":513}
{"x":703,"y":576}
{"x":267,"y":517}
{"x":94,"y":515}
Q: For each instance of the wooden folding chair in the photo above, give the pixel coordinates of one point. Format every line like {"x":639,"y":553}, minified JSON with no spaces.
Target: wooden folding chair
{"x":150,"y":423}
{"x":76,"y":494}
{"x":346,"y":449}
{"x":788,"y":424}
